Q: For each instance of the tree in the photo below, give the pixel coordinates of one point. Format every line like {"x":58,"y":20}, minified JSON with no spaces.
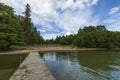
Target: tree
{"x":8,"y":36}
{"x":100,"y":28}
{"x":79,"y":42}
{"x":27,"y":26}
{"x":89,"y":40}
{"x":100,"y":39}
{"x":31,"y":35}
{"x":8,"y":30}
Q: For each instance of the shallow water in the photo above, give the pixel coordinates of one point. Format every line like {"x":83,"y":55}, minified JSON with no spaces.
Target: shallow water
{"x":84,"y":65}
{"x":8,"y":65}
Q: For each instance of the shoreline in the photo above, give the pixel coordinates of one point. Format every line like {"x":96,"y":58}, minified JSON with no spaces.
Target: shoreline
{"x":46,"y":49}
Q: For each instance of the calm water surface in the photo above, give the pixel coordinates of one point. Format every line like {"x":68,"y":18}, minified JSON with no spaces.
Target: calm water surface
{"x":84,"y":65}
{"x":8,"y":65}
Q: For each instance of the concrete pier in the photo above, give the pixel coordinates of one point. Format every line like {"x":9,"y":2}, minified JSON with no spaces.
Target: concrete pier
{"x":32,"y":68}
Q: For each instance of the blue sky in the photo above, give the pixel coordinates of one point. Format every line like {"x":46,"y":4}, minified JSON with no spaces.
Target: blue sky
{"x":63,"y":17}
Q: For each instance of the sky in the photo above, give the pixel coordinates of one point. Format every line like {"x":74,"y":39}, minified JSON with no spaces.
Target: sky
{"x":63,"y":17}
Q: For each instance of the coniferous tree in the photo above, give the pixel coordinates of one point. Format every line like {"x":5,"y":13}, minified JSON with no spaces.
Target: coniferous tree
{"x":31,"y":35}
{"x":27,"y":25}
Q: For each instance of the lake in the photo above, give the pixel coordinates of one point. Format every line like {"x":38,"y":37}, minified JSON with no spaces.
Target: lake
{"x":8,"y":65}
{"x":83,"y":65}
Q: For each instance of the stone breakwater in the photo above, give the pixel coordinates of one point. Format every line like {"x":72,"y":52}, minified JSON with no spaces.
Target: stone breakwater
{"x":32,"y":68}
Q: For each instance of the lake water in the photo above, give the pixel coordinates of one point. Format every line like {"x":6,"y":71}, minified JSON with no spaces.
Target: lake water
{"x":83,"y":65}
{"x":8,"y":65}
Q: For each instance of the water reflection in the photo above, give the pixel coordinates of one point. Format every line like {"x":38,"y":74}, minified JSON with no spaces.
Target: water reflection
{"x":98,"y":60}
{"x":8,"y":64}
{"x":84,"y":65}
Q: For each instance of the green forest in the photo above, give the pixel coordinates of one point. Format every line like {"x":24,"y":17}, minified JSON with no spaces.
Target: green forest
{"x":16,"y":29}
{"x":19,"y":30}
{"x":91,"y":37}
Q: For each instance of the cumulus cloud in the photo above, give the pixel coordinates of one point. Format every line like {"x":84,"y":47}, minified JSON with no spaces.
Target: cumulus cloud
{"x":113,"y":21}
{"x":57,"y":17}
{"x":50,"y":36}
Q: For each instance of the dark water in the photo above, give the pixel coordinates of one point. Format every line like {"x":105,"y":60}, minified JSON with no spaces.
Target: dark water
{"x":84,"y":65}
{"x":8,"y":65}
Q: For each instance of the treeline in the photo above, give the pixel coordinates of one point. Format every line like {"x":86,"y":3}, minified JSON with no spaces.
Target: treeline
{"x":19,"y":30}
{"x":16,"y":29}
{"x":90,"y":37}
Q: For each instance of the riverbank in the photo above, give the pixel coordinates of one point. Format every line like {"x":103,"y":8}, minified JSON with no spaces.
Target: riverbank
{"x":46,"y":48}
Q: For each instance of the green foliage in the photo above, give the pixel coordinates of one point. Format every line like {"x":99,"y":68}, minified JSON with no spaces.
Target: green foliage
{"x":67,"y":40}
{"x":19,"y":30}
{"x":79,"y":42}
{"x":6,"y":9}
{"x":7,"y":28}
{"x":4,"y":45}
{"x":92,"y":37}
{"x":16,"y":29}
{"x":31,"y":35}
{"x":6,"y":40}
{"x":27,"y":11}
{"x":49,"y":41}
{"x":89,"y":40}
{"x":8,"y":32}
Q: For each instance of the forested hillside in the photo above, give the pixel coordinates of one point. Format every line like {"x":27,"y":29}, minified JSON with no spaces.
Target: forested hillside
{"x":16,"y":29}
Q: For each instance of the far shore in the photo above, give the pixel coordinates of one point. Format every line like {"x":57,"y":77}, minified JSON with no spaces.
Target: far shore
{"x":45,"y":49}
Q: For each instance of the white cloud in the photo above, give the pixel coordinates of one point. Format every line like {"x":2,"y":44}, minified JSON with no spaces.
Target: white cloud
{"x":73,"y":16}
{"x":68,"y":33}
{"x":113,"y":21}
{"x":50,"y":36}
{"x":17,"y":5}
{"x":114,"y":27}
{"x":41,"y":30}
{"x":114,"y":10}
{"x":63,"y":4}
{"x":94,"y":2}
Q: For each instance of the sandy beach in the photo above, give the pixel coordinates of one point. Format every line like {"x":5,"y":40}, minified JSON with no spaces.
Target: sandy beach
{"x":43,"y":49}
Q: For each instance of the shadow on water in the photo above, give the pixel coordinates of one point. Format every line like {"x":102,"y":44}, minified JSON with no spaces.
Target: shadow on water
{"x":8,"y":64}
{"x":84,"y":65}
